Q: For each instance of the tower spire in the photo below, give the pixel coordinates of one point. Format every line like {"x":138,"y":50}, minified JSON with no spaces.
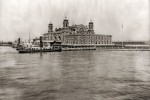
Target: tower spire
{"x":50,"y":27}
{"x":65,"y":22}
{"x":91,"y":25}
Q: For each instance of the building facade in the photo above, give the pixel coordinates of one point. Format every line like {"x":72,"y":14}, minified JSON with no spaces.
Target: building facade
{"x":76,"y":34}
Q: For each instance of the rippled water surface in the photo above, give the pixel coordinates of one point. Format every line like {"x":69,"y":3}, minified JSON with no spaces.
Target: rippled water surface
{"x":74,"y":75}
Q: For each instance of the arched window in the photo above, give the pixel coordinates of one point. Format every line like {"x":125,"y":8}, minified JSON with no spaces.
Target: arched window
{"x":59,"y":38}
{"x":81,"y":30}
{"x":55,"y":38}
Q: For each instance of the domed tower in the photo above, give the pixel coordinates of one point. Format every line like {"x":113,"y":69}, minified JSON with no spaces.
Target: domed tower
{"x":91,"y":25}
{"x":65,"y":23}
{"x":50,"y":27}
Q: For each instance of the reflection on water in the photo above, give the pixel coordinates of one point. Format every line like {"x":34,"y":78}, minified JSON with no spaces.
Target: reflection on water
{"x":74,"y":75}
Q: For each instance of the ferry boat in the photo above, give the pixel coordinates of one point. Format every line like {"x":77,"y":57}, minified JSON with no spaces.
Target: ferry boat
{"x":31,"y":48}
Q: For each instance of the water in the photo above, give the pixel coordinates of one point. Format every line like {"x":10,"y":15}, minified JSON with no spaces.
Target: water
{"x":74,"y":75}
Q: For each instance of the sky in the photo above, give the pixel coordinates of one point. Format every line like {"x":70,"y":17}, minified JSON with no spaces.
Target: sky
{"x":18,"y":18}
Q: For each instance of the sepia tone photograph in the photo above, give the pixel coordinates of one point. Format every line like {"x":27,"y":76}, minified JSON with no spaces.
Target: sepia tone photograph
{"x":74,"y":49}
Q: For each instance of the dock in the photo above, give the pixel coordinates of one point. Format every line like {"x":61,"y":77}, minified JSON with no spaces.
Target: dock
{"x":125,"y":48}
{"x":110,"y":47}
{"x":77,"y":47}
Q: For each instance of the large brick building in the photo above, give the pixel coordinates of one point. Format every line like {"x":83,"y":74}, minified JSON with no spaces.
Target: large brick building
{"x":76,"y":34}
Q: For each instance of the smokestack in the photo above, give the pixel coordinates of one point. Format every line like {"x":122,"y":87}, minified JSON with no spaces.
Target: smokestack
{"x":18,"y":41}
{"x":41,"y":42}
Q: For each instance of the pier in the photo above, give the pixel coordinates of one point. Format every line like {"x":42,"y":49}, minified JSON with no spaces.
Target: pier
{"x":106,"y":47}
{"x":76,"y":47}
{"x":125,"y":48}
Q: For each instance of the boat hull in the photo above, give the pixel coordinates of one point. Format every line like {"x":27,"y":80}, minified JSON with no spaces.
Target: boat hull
{"x":34,"y":51}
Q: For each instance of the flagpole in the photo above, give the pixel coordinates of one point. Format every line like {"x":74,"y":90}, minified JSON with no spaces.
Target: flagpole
{"x":149,"y":24}
{"x":122,"y":35}
{"x":29,"y":37}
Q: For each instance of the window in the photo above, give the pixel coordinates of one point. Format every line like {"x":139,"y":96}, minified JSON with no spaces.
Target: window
{"x":59,"y":38}
{"x":81,"y":30}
